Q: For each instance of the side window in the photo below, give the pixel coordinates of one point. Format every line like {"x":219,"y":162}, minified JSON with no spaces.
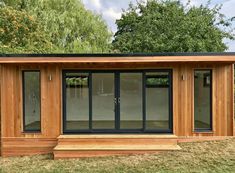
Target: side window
{"x":202,"y":100}
{"x":31,"y":101}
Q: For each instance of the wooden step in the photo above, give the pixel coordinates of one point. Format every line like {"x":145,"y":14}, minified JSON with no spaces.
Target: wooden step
{"x":117,"y":139}
{"x":78,"y":151}
{"x":115,"y":147}
{"x":76,"y":146}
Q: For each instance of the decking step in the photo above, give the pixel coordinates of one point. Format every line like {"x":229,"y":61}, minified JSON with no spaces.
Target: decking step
{"x":116,"y":147}
{"x":117,"y":141}
{"x":77,"y":146}
{"x":81,"y":151}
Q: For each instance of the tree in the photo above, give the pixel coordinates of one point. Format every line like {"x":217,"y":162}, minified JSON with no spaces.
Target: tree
{"x":169,"y":26}
{"x":21,"y":33}
{"x":70,"y":27}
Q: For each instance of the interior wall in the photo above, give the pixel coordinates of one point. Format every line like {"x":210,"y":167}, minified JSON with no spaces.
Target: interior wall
{"x":157,"y":104}
{"x":77,"y":99}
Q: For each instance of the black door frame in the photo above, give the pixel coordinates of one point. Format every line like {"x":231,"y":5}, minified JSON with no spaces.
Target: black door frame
{"x":117,"y":106}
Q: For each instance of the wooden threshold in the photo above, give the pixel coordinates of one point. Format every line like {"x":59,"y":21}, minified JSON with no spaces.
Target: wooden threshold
{"x":117,"y":136}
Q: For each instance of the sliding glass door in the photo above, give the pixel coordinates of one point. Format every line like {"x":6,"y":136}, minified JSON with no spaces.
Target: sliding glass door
{"x":131,"y":101}
{"x":76,"y":101}
{"x":103,"y":106}
{"x":117,"y":101}
{"x":158,"y":101}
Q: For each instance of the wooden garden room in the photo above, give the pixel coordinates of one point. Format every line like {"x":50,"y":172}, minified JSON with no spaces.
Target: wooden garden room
{"x":81,"y":105}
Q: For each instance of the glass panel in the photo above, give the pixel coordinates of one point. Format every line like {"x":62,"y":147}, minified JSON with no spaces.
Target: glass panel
{"x":157,"y":101}
{"x":158,"y":79}
{"x":103,"y":110}
{"x":31,"y":86}
{"x":202,"y":99}
{"x":131,"y":114}
{"x":77,"y":101}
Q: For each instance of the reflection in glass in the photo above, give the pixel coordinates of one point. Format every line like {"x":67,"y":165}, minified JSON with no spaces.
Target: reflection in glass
{"x":103,"y":110}
{"x":31,"y":86}
{"x":157,"y":100}
{"x":202,"y":99}
{"x":131,"y":114}
{"x":77,"y":101}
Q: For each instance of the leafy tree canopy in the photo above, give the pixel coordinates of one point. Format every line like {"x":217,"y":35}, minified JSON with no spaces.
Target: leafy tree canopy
{"x":69,"y":26}
{"x":20,"y":32}
{"x":169,"y":26}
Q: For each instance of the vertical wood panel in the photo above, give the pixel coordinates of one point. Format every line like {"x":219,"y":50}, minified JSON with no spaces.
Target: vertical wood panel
{"x":7,"y":101}
{"x":214,"y":98}
{"x":51,"y":102}
{"x":230,"y":107}
{"x":216,"y":115}
{"x":16,"y":100}
{"x":222,"y":101}
{"x":190,"y":97}
{"x":232,"y":100}
{"x":0,"y":112}
{"x":175,"y":96}
{"x":226,"y":101}
{"x":184,"y":117}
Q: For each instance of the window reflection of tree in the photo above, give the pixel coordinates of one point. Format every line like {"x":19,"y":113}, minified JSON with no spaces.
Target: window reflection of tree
{"x":76,"y":85}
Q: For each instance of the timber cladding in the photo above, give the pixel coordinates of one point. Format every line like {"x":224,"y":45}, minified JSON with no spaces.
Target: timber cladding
{"x":16,"y":142}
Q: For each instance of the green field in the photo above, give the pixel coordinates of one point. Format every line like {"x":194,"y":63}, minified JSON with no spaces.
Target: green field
{"x":211,"y":156}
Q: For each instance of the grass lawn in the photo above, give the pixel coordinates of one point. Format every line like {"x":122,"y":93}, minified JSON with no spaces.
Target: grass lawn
{"x":211,"y":156}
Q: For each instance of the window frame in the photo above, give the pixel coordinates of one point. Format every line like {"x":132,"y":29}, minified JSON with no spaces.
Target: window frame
{"x":23,"y":102}
{"x":117,"y":116}
{"x":64,"y":103}
{"x":210,"y":129}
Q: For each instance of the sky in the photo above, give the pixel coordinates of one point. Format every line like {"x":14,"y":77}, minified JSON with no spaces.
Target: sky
{"x":111,"y":10}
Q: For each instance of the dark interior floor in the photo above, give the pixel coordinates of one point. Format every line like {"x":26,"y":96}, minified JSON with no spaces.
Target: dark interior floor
{"x":33,"y":126}
{"x":78,"y":125}
{"x":200,"y":124}
{"x":111,"y":124}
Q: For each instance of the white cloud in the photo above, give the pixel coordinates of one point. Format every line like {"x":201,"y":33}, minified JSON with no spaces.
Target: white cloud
{"x":231,"y":45}
{"x":93,"y":4}
{"x":96,"y":3}
{"x":113,"y":14}
{"x":228,"y":8}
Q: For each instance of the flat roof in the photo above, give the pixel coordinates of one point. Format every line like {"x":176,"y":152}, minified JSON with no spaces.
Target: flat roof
{"x":123,"y":54}
{"x":228,"y":57}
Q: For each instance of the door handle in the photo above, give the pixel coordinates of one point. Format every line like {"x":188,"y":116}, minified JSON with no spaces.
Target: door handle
{"x":116,"y":100}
